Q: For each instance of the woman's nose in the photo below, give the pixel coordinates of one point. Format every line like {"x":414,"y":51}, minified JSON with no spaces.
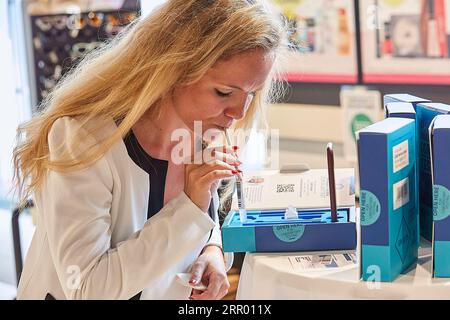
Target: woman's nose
{"x":240,"y":108}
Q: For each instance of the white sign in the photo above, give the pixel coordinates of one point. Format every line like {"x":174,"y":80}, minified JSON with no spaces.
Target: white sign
{"x":361,"y":107}
{"x":322,"y":261}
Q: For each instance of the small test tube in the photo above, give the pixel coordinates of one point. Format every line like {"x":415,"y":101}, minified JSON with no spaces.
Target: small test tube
{"x":239,"y":189}
{"x":240,"y":196}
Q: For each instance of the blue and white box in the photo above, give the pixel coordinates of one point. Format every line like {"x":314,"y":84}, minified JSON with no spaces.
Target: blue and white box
{"x":389,"y":215}
{"x":440,"y":155}
{"x":404,"y":97}
{"x":425,"y":113}
{"x":270,"y":231}
{"x":291,"y":212}
{"x":400,"y":110}
{"x":405,"y":110}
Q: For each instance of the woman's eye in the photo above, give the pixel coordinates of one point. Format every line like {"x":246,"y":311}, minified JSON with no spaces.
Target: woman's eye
{"x":222,"y":94}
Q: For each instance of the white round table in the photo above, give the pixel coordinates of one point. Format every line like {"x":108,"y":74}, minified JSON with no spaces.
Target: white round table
{"x":7,"y":291}
{"x":271,"y":276}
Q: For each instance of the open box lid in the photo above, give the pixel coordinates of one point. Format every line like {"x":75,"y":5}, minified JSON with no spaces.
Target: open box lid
{"x":274,"y":190}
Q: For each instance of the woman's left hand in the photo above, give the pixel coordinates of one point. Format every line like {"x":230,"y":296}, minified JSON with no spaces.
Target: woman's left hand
{"x":210,"y":269}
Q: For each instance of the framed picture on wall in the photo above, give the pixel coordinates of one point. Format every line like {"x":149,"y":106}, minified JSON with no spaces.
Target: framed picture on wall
{"x":405,"y":41}
{"x":322,"y":40}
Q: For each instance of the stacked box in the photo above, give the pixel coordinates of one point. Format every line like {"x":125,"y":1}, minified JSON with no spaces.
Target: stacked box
{"x":425,"y":113}
{"x":389,"y":215}
{"x":403,"y":97}
{"x":440,"y":155}
{"x":406,"y":110}
{"x":400,"y":110}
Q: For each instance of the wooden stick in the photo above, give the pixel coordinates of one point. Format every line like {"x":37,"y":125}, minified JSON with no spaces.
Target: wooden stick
{"x":332,"y":183}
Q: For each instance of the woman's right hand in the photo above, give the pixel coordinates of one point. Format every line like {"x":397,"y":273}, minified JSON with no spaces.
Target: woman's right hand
{"x":200,"y":179}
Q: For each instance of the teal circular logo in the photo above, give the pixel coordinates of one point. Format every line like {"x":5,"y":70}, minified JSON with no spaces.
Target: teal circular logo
{"x":370,"y":208}
{"x":441,"y":202}
{"x":289,"y":232}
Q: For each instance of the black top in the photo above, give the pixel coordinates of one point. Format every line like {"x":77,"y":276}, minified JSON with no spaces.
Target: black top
{"x":156,"y":169}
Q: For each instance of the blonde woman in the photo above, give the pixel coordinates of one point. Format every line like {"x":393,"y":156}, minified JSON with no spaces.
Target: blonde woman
{"x":118,"y":217}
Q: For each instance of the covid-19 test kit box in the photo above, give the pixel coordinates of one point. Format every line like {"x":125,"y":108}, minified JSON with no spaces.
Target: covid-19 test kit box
{"x":425,"y":114}
{"x":440,"y":155}
{"x":403,"y":97}
{"x":267,"y":226}
{"x":400,"y":110}
{"x":405,"y":110}
{"x":389,"y":216}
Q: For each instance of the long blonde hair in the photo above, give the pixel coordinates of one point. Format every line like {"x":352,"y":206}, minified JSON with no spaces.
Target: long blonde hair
{"x":175,"y":45}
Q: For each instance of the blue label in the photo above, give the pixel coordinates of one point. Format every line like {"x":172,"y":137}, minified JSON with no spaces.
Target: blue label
{"x":370,"y":208}
{"x":441,"y":202}
{"x":289,"y":232}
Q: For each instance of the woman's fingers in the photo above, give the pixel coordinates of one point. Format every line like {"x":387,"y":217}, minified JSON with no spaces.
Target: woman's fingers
{"x":217,"y":288}
{"x":223,"y":149}
{"x":198,"y":181}
{"x":195,"y":293}
{"x":224,"y":153}
{"x":214,"y":158}
{"x":225,"y":157}
{"x":200,"y":178}
{"x":206,"y":168}
{"x":197,"y":270}
{"x":215,"y":175}
{"x":214,"y":285}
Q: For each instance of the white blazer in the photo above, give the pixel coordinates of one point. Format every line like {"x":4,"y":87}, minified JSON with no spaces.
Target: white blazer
{"x":93,"y":239}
